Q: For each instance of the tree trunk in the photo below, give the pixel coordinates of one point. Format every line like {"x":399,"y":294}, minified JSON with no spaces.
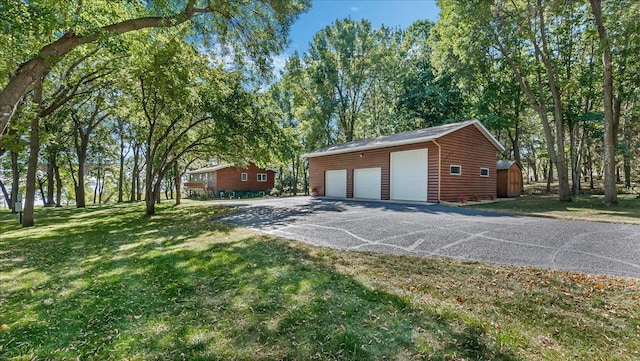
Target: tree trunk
{"x":58,"y":185}
{"x":149,"y":192}
{"x":41,"y":182}
{"x":550,"y":176}
{"x":610,"y":188}
{"x":32,"y":165}
{"x":95,"y":189}
{"x":177,"y":181}
{"x":5,"y":194}
{"x":627,"y":154}
{"x":80,"y":193}
{"x":50,"y":183}
{"x":15,"y":180}
{"x":134,"y":173}
{"x":121,"y":174}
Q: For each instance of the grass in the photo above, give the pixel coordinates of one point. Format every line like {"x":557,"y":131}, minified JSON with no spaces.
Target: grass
{"x":109,"y":283}
{"x":587,"y":207}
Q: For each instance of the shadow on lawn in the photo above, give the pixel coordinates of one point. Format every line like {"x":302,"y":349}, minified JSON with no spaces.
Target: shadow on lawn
{"x":179,"y":287}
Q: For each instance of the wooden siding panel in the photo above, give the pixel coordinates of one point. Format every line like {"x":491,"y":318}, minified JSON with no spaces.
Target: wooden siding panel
{"x":470,"y":149}
{"x":371,"y":159}
{"x":230,"y":179}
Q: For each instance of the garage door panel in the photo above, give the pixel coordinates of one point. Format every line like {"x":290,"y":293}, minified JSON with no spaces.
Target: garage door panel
{"x":367,"y":183}
{"x":336,"y":183}
{"x":409,"y":175}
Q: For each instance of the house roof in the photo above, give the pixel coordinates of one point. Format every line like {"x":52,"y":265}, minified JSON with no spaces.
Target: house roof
{"x":411,"y":137}
{"x":209,"y":169}
{"x":506,"y":164}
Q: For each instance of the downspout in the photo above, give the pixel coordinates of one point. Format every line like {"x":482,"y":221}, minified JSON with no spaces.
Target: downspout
{"x":439,"y":166}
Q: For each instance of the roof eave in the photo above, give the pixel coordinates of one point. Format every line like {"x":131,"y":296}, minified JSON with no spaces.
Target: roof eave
{"x":474,"y":122}
{"x":369,"y":147}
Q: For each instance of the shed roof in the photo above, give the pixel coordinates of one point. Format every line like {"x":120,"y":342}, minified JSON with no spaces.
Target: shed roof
{"x":506,"y":164}
{"x":410,"y":137}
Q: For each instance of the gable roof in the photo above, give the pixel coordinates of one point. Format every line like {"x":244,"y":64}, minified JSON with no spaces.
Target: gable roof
{"x":506,"y":164}
{"x":411,"y":137}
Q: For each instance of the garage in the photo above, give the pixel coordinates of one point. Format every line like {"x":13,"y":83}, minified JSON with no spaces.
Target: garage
{"x":336,"y":183}
{"x":409,"y":175}
{"x":367,"y":183}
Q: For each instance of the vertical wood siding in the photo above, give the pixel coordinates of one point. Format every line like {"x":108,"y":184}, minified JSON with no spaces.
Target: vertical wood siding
{"x":466,"y":147}
{"x":510,"y":182}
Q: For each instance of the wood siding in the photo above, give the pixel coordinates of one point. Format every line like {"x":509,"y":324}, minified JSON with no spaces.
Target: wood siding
{"x":371,"y":159}
{"x":230,"y":179}
{"x":510,"y":182}
{"x":470,"y":149}
{"x":466,"y":147}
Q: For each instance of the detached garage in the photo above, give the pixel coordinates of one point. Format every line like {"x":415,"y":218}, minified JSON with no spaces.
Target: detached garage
{"x":449,"y":162}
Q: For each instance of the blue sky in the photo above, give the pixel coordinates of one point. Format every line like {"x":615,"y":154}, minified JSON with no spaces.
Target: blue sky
{"x":391,"y":13}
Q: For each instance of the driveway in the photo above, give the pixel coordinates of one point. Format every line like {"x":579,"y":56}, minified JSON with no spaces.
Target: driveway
{"x":441,"y":231}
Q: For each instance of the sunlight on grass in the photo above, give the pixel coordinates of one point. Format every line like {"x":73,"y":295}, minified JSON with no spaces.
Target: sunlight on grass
{"x":110,"y":283}
{"x":584,"y":207}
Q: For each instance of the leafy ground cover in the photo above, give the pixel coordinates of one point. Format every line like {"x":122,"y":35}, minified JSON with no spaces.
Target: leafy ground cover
{"x":108,"y":283}
{"x":588,"y":207}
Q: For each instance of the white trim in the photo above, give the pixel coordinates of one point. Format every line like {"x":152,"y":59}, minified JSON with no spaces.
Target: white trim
{"x":483,"y":168}
{"x":455,"y":165}
{"x":244,"y":177}
{"x":261,"y":174}
{"x":384,"y":144}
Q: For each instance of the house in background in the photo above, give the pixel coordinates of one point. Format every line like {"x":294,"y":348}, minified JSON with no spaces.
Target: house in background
{"x":452,"y":162}
{"x":226,"y":178}
{"x":509,"y":178}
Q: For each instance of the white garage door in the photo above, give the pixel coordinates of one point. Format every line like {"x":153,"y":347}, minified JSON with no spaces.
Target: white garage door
{"x":367,"y":183}
{"x":409,"y":175}
{"x":335,"y":183}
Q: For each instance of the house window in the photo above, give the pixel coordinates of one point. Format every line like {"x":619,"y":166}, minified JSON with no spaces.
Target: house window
{"x":484,"y":172}
{"x":244,"y":177}
{"x":455,"y":169}
{"x":262,"y":177}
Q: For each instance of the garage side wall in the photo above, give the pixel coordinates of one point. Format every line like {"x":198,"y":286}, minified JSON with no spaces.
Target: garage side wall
{"x":471,"y":150}
{"x":371,"y":159}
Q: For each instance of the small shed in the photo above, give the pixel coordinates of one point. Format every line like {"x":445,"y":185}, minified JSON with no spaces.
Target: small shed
{"x":509,"y":178}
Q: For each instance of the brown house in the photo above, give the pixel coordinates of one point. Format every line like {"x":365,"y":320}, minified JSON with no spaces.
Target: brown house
{"x":452,"y":162}
{"x":509,"y":178}
{"x":226,"y":178}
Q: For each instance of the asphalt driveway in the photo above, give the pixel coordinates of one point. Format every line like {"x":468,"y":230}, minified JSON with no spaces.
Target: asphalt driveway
{"x":441,"y":231}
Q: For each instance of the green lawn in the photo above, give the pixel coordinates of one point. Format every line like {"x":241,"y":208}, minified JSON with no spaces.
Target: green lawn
{"x":584,"y":207}
{"x":109,"y":283}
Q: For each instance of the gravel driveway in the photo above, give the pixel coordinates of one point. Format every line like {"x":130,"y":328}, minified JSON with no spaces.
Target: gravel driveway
{"x":441,"y":231}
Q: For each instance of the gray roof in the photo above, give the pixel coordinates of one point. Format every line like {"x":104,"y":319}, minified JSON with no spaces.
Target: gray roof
{"x":209,"y":169}
{"x":411,"y":137}
{"x":506,"y":164}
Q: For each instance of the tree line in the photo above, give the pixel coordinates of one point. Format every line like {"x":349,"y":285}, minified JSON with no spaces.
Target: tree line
{"x":132,"y":94}
{"x":556,"y":81}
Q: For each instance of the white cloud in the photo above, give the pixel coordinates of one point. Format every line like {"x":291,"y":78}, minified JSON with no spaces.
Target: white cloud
{"x":354,"y":9}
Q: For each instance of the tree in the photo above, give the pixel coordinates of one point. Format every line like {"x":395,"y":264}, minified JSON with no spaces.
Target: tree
{"x":520,"y":33}
{"x":253,"y":28}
